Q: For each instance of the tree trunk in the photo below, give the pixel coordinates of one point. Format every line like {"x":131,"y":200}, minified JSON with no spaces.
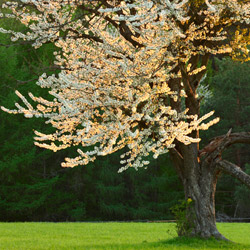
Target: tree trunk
{"x":199,"y":178}
{"x":199,"y":182}
{"x":199,"y":175}
{"x":201,"y":214}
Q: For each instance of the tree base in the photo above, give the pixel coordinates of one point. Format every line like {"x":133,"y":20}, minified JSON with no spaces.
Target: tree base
{"x":214,"y":235}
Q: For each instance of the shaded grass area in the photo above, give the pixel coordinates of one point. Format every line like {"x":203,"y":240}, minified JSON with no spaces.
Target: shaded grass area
{"x":115,"y":236}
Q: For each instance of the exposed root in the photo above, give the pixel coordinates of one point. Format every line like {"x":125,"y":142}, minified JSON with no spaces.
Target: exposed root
{"x":208,"y":235}
{"x":219,"y":236}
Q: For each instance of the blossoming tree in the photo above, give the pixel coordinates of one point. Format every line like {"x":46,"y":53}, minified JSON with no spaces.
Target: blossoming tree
{"x":129,"y":75}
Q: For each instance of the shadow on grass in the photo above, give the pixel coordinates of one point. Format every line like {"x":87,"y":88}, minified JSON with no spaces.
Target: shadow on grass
{"x":174,"y":243}
{"x":198,"y":243}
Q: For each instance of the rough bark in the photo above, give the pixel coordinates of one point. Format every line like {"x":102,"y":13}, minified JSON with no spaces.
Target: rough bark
{"x":199,"y":178}
{"x":200,"y":184}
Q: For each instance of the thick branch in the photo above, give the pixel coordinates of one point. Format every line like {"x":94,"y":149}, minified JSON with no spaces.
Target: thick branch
{"x":242,"y":137}
{"x":234,"y":171}
{"x":121,"y":26}
{"x":177,"y":159}
{"x":220,"y":143}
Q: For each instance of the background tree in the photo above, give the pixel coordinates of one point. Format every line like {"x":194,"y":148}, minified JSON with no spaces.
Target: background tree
{"x":33,"y":185}
{"x":125,"y":68}
{"x":35,"y":188}
{"x":229,"y":86}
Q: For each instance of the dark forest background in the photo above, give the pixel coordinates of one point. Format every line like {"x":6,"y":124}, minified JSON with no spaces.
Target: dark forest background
{"x":34,"y":187}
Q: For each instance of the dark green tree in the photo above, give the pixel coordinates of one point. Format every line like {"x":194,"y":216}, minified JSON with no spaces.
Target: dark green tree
{"x":33,"y":185}
{"x":229,"y":86}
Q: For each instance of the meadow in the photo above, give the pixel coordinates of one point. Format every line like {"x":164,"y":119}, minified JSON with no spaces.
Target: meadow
{"x":115,"y":236}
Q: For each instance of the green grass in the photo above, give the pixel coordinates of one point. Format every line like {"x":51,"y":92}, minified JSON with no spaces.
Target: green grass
{"x":114,"y":236}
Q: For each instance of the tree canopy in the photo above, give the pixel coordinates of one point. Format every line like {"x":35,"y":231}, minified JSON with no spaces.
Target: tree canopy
{"x":115,"y":63}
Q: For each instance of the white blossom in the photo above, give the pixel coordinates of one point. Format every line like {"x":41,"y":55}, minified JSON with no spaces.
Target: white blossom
{"x":112,"y":93}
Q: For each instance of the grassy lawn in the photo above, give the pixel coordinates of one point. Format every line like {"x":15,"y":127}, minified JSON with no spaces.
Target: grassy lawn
{"x":114,"y":236}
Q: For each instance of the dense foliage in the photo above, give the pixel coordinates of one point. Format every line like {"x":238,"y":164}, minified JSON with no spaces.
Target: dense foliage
{"x":35,"y":188}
